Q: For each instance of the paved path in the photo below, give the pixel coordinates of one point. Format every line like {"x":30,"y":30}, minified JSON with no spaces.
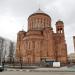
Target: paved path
{"x":62,"y":69}
{"x":36,"y":73}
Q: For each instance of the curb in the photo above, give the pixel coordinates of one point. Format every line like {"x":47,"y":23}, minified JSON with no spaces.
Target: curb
{"x":27,"y":70}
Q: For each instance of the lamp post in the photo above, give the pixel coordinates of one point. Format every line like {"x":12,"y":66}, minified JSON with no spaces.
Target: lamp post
{"x":21,"y":62}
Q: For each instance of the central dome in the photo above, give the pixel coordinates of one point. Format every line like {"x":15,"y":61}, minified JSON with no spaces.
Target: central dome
{"x":38,"y":20}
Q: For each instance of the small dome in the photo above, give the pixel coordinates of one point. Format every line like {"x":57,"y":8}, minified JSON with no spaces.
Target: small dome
{"x":59,"y":22}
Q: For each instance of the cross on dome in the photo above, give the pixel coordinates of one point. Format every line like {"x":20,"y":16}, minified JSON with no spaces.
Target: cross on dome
{"x":39,"y":11}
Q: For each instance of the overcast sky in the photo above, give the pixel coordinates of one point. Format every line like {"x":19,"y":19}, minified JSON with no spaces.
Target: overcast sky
{"x":14,"y":14}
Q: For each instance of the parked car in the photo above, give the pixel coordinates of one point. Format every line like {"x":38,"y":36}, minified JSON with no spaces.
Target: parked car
{"x":1,"y":68}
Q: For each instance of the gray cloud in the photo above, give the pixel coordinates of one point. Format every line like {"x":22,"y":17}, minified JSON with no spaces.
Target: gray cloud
{"x":17,"y":11}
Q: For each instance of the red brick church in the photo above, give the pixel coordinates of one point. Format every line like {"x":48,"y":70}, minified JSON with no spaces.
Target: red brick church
{"x":40,"y":41}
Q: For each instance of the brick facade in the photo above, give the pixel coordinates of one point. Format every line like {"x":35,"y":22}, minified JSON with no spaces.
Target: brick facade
{"x":40,"y":41}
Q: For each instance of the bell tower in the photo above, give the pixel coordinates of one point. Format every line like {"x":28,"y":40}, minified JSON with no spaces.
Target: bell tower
{"x":61,"y":50}
{"x":60,"y":27}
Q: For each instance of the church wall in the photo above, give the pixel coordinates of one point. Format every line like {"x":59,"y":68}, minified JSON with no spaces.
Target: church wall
{"x":61,"y":50}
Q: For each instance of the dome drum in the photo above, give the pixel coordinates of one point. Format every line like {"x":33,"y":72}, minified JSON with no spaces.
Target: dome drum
{"x":38,"y":21}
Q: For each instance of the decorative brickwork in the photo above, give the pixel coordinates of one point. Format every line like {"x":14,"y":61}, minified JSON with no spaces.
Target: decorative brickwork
{"x":40,"y":41}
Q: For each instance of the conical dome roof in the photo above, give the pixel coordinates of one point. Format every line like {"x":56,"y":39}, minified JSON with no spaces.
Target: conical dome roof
{"x":39,"y":11}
